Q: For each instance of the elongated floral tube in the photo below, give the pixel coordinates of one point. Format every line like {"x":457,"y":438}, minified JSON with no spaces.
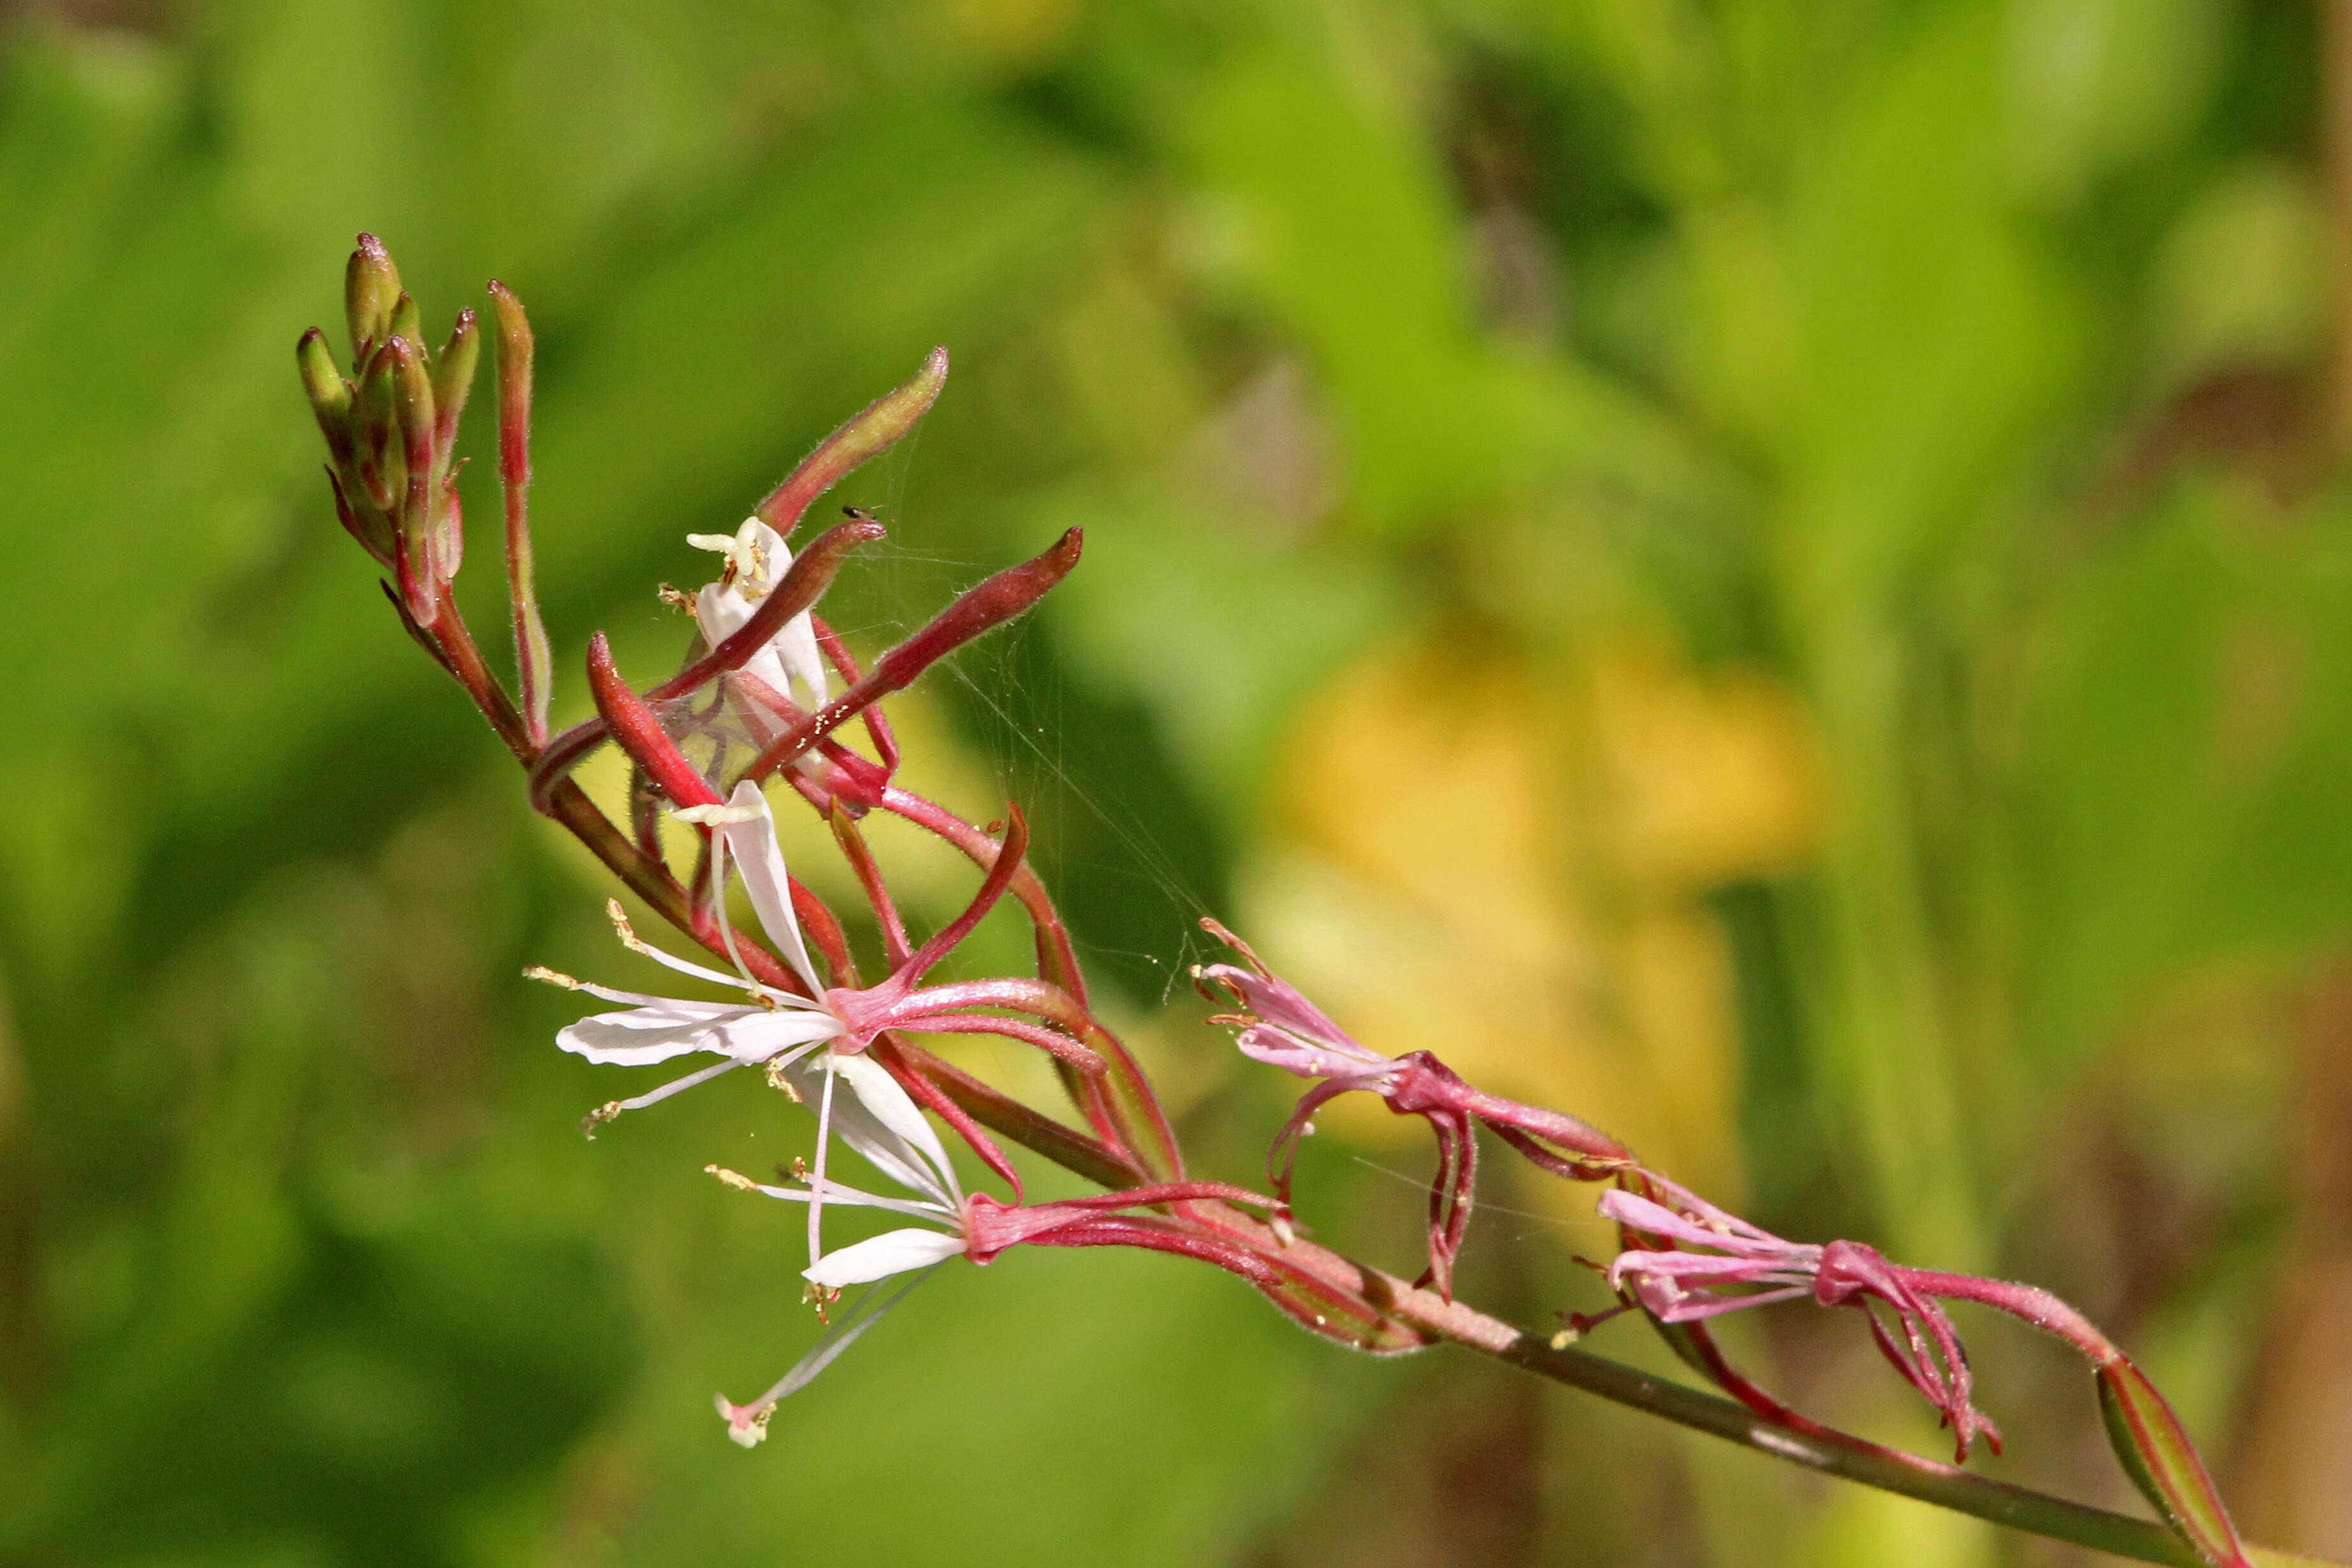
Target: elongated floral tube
{"x":639,"y":733}
{"x":1000,"y":599}
{"x":534,"y":665}
{"x":1098,"y":1161}
{"x":810,"y":575}
{"x":1009,"y":858}
{"x":873,"y":431}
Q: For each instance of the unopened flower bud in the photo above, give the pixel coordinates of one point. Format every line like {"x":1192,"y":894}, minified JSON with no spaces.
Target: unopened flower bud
{"x":371,"y":285}
{"x":453,"y":379}
{"x":2157,"y":1454}
{"x":420,"y":564}
{"x":411,"y":386}
{"x":330,"y":394}
{"x":878,"y":426}
{"x":382,"y":454}
{"x":408,"y":321}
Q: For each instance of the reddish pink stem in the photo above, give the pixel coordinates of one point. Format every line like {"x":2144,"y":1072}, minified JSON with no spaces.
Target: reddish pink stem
{"x":640,"y":734}
{"x":516,"y":351}
{"x":984,"y":608}
{"x":801,"y":585}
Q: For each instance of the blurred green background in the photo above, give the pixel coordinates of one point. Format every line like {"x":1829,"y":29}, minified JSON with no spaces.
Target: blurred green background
{"x":1770,"y":571}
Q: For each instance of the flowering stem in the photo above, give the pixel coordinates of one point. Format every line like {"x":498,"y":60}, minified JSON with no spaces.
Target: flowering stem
{"x":1829,"y":1452}
{"x":463,"y":659}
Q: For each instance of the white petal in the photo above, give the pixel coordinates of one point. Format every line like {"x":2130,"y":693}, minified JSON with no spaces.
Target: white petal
{"x":802,"y":665}
{"x":878,"y":1257}
{"x":895,"y":1108}
{"x":751,"y":843}
{"x":720,"y":612}
{"x":859,"y":1127}
{"x":643,"y":1035}
{"x":761,"y":558}
{"x":792,"y":662}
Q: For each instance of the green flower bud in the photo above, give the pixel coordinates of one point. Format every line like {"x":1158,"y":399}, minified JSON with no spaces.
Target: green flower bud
{"x":408,"y":321}
{"x":371,"y":284}
{"x":330,"y":394}
{"x":381,"y":452}
{"x":453,"y":380}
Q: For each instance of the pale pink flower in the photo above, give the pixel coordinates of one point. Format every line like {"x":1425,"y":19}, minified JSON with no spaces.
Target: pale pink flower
{"x":1741,"y":1265}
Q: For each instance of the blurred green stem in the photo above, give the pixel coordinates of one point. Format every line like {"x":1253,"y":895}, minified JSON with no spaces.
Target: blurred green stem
{"x":1886,"y":1036}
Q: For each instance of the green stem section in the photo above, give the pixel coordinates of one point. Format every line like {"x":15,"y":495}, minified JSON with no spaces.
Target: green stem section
{"x":2037,"y":1514}
{"x":2013,"y":1507}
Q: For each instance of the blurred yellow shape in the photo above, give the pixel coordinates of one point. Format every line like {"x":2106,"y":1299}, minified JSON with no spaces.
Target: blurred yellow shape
{"x":1505,"y":859}
{"x":1011,"y":32}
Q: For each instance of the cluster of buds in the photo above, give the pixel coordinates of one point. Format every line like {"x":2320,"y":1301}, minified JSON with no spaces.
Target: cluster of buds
{"x":767,"y":691}
{"x":391,"y":427}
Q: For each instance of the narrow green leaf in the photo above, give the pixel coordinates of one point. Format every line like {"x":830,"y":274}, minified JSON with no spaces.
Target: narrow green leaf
{"x":2162,"y":1462}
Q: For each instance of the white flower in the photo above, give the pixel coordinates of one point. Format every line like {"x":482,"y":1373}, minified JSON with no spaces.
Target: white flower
{"x":757,"y":557}
{"x":775,"y":1027}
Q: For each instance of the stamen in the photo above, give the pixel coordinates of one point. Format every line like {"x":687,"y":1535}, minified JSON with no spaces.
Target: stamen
{"x":630,"y":940}
{"x":613,"y":1107}
{"x":552,"y":977}
{"x":869,"y":1310}
{"x":712,"y":815}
